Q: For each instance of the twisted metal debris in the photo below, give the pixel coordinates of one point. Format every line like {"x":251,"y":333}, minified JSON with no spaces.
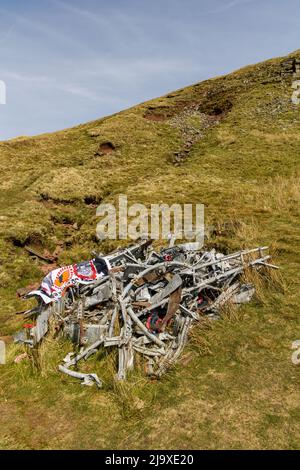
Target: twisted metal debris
{"x":145,"y":302}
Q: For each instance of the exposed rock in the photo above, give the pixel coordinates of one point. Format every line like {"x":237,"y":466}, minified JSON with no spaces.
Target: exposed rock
{"x":105,"y":148}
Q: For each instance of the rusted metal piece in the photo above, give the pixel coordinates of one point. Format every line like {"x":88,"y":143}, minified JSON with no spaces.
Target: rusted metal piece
{"x":144,"y":329}
{"x":48,"y":258}
{"x":173,"y":305}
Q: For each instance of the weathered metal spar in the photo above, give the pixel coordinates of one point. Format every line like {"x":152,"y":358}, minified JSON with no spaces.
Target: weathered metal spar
{"x":146,"y":304}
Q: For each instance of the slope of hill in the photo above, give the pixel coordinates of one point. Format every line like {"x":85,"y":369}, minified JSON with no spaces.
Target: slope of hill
{"x":231,"y":143}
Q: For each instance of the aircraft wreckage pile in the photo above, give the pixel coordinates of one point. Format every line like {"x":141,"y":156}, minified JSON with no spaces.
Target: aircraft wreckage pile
{"x":139,"y":301}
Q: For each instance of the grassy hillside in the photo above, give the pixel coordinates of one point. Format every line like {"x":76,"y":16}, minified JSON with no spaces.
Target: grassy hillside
{"x":232,"y":143}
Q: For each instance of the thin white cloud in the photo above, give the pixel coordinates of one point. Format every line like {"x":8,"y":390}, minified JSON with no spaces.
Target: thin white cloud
{"x":112,"y":27}
{"x":133,"y":70}
{"x":79,"y":91}
{"x":82,"y":13}
{"x":40,"y":28}
{"x":51,"y":82}
{"x":26,"y":78}
{"x":7,"y":34}
{"x":229,"y":5}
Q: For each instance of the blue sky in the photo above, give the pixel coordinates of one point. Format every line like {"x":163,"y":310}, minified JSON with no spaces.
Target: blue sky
{"x":66,"y":62}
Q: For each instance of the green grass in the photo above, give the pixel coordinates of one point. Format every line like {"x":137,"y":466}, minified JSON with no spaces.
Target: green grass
{"x":235,"y":386}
